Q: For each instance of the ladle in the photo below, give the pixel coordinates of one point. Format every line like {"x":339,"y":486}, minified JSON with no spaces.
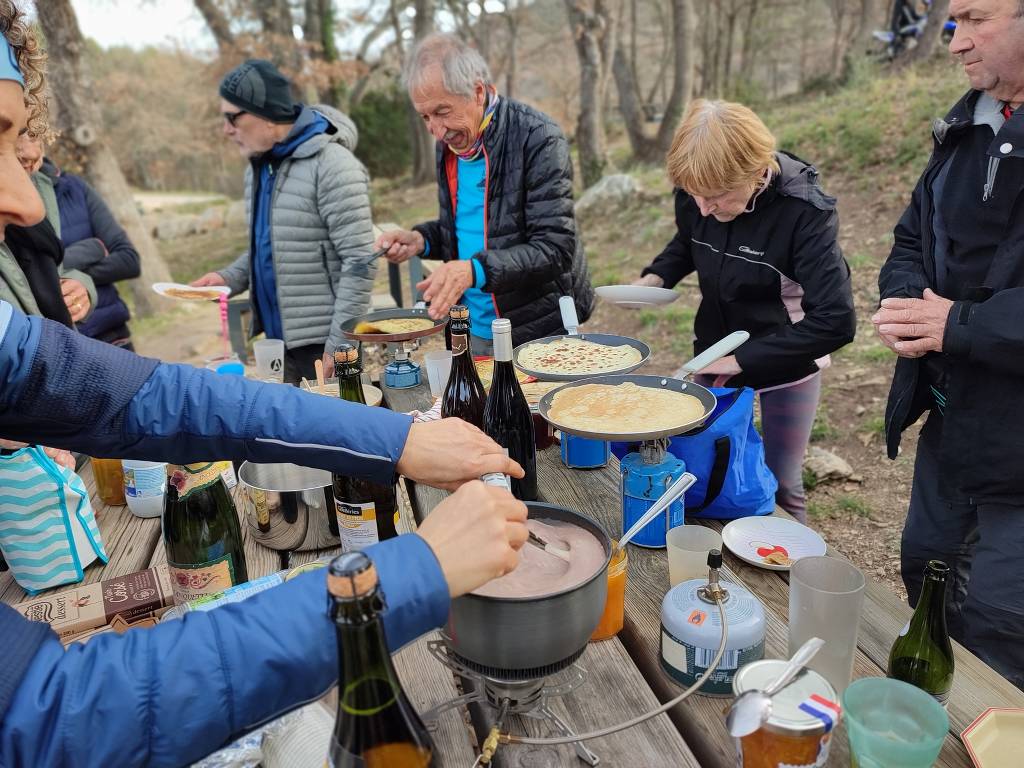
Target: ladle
{"x":752,"y":708}
{"x":673,"y":492}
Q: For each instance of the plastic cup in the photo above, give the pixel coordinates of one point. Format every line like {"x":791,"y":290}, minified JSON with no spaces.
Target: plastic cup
{"x":688,"y":547}
{"x":892,"y":724}
{"x":615,"y":604}
{"x":825,"y":599}
{"x":144,"y":485}
{"x":439,"y":367}
{"x":269,"y":359}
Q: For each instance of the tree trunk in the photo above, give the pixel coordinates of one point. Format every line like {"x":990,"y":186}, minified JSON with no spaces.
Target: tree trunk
{"x":512,"y":67}
{"x":80,"y":124}
{"x":218,"y":23}
{"x":683,"y":33}
{"x":747,"y":45}
{"x":937,"y":15}
{"x":424,"y":168}
{"x":593,"y":34}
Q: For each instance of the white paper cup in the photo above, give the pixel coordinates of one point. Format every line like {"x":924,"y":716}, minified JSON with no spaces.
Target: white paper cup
{"x":269,"y":359}
{"x":688,"y":547}
{"x":145,"y":483}
{"x":439,"y":367}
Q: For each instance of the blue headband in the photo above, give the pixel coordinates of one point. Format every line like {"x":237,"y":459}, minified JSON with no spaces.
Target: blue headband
{"x":8,"y":64}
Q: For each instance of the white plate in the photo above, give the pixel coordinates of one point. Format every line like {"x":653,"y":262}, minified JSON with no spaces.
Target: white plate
{"x":751,"y":538}
{"x":637,"y":296}
{"x":162,"y":289}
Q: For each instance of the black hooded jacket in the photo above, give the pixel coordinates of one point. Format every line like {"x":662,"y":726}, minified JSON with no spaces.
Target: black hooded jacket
{"x":982,"y":443}
{"x":533,"y":254}
{"x":776,"y":272}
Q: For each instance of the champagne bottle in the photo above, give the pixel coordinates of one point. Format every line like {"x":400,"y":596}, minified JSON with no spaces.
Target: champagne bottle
{"x":201,"y":532}
{"x":922,"y":654}
{"x":507,"y":417}
{"x":464,"y":395}
{"x":376,"y":726}
{"x":366,"y":510}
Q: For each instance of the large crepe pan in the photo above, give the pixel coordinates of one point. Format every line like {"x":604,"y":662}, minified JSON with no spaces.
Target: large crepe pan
{"x":348,"y":327}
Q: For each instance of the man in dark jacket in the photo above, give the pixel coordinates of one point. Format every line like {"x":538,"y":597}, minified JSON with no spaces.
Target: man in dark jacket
{"x":952,"y":308}
{"x":506,"y":231}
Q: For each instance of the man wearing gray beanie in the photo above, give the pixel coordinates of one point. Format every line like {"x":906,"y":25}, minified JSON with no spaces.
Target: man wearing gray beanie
{"x":308,"y":267}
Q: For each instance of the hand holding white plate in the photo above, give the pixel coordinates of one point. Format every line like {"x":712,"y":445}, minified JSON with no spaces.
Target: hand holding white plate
{"x":637,"y":296}
{"x":191,"y":293}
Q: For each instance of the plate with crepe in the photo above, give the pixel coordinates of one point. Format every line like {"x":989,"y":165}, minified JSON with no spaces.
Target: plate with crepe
{"x":184,"y":292}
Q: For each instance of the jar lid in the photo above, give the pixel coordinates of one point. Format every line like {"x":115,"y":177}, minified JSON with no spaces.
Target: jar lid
{"x":807,"y":705}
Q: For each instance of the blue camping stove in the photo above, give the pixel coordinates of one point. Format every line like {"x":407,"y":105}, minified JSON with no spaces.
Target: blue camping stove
{"x":401,"y":372}
{"x":646,"y":475}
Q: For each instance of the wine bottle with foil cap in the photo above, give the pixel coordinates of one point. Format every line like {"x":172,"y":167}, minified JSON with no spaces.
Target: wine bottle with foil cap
{"x":464,"y":395}
{"x":922,"y":654}
{"x":202,"y":537}
{"x":376,"y":724}
{"x":507,"y":417}
{"x":366,"y":511}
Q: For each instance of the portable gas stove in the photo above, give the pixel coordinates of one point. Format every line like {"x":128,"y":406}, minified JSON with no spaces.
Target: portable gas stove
{"x":400,"y":372}
{"x":500,"y":698}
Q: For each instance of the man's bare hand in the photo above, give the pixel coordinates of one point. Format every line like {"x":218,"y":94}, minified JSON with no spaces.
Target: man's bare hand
{"x":476,"y":534}
{"x":450,"y":452}
{"x":650,"y":279}
{"x":76,"y":299}
{"x":59,"y":455}
{"x":445,"y":286}
{"x":401,"y":244}
{"x":913,"y":327}
{"x":210,"y":278}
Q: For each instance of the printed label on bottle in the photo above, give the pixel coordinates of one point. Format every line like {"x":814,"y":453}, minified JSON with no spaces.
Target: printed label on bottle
{"x":906,"y":628}
{"x":460,"y":343}
{"x":143,"y":482}
{"x":357,"y":525}
{"x":260,"y":507}
{"x":189,"y":478}
{"x":191,"y":582}
{"x":230,"y":480}
{"x":942,"y":698}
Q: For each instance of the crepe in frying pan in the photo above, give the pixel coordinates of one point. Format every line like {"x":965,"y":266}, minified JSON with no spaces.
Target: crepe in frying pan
{"x":394,"y":325}
{"x":577,"y":356}
{"x":623,"y":408}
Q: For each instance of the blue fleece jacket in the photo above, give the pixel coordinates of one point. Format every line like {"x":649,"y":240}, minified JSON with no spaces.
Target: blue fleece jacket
{"x":59,"y":707}
{"x":264,"y":280}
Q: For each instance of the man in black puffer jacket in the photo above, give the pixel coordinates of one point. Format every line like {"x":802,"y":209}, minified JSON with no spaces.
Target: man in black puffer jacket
{"x":506,"y":229}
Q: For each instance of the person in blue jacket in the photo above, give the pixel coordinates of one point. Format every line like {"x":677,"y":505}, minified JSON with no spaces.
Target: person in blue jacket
{"x":172,"y":694}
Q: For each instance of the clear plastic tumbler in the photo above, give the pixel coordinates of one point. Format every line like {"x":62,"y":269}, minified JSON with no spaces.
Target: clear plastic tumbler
{"x":825,"y":599}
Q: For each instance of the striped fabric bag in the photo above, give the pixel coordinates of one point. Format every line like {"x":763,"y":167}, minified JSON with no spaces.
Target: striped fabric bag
{"x":48,"y":531}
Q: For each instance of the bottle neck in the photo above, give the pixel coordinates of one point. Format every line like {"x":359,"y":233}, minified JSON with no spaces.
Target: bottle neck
{"x":503,"y":347}
{"x":367,"y":676}
{"x":460,"y":337}
{"x":931,"y":608}
{"x":350,"y":384}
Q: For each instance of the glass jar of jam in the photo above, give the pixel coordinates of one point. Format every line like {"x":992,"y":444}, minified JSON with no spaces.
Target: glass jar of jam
{"x":804,"y":717}
{"x":615,"y":604}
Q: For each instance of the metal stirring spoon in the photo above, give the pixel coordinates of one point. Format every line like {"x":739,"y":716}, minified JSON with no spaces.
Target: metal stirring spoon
{"x":752,"y":708}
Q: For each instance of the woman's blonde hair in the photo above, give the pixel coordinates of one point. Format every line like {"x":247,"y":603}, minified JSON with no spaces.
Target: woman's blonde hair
{"x":718,"y":147}
{"x":32,"y":62}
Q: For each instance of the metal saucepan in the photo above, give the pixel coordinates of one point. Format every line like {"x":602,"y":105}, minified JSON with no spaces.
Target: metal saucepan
{"x":348,"y":327}
{"x":571,"y":321}
{"x":289,"y":508}
{"x":707,"y":398}
{"x":525,"y":638}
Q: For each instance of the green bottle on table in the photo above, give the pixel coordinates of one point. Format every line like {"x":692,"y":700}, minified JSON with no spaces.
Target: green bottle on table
{"x":367,"y":511}
{"x":201,"y":533}
{"x":376,"y":725}
{"x":922,"y":655}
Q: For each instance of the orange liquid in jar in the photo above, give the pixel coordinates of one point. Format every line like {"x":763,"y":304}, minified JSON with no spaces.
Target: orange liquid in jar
{"x":615,"y":605}
{"x":109,"y":480}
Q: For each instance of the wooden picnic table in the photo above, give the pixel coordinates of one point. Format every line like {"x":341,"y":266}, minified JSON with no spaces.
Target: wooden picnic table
{"x":699,"y":719}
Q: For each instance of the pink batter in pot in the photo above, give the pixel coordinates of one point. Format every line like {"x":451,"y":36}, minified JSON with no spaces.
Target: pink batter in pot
{"x":540,"y":573}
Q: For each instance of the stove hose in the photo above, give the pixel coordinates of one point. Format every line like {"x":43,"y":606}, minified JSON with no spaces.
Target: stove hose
{"x":496,"y":736}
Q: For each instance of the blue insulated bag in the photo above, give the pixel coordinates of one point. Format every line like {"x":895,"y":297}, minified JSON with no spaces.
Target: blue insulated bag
{"x":727,"y":456}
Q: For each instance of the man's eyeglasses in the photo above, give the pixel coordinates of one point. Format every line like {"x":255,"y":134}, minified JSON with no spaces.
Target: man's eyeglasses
{"x":231,"y":118}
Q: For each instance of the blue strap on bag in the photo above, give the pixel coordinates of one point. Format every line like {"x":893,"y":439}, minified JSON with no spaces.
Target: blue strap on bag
{"x":41,"y":506}
{"x":727,"y":456}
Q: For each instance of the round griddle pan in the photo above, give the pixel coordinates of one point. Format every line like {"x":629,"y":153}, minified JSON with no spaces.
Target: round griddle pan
{"x":347,"y":328}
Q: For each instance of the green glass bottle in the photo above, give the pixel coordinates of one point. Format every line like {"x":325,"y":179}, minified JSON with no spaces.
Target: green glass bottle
{"x":376,"y":725}
{"x":201,"y":533}
{"x":367,"y":511}
{"x":922,"y":655}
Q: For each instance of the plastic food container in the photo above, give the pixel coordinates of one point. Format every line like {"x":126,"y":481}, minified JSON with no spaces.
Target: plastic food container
{"x":615,"y":604}
{"x":800,"y":729}
{"x":144,"y":486}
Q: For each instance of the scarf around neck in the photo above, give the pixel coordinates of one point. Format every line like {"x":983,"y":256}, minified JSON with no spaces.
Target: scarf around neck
{"x":473,"y":152}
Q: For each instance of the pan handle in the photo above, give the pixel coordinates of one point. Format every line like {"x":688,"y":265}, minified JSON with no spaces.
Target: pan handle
{"x":570,"y":319}
{"x":717,"y":350}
